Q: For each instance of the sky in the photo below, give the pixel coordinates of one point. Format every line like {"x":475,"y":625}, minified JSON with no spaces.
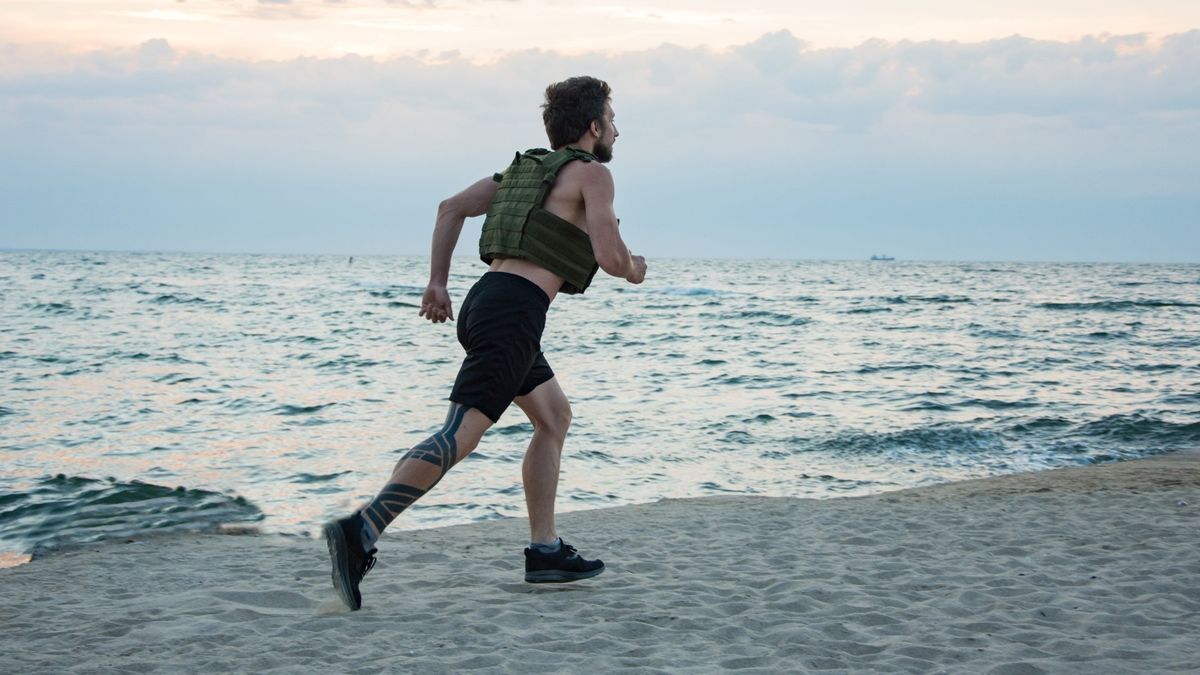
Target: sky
{"x":1058,"y":130}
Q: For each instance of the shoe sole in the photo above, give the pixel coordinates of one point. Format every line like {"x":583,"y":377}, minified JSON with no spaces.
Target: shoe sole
{"x":335,"y":539}
{"x":559,"y":576}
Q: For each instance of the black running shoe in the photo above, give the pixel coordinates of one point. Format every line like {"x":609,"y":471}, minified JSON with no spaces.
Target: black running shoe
{"x":350,"y":562}
{"x":558,"y":567}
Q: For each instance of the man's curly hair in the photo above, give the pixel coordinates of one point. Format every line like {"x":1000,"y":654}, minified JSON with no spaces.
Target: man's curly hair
{"x":571,"y":106}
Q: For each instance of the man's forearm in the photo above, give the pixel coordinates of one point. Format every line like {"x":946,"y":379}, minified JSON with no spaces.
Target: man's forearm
{"x":616,"y":260}
{"x":445,"y":238}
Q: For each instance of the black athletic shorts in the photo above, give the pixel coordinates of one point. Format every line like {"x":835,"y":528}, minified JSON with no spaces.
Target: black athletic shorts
{"x":500,"y":325}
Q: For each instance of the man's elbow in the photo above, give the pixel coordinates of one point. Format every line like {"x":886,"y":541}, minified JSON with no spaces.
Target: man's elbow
{"x":449,"y":207}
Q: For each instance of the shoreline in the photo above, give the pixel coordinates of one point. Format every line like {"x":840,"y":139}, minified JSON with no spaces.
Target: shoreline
{"x":9,"y":560}
{"x":1080,"y":569}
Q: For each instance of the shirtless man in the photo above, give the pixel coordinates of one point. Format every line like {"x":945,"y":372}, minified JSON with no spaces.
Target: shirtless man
{"x":550,"y":225}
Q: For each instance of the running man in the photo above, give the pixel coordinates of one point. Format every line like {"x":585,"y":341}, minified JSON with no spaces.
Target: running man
{"x":550,"y":225}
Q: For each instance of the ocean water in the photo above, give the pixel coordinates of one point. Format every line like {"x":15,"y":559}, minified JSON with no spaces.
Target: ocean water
{"x":182,"y":391}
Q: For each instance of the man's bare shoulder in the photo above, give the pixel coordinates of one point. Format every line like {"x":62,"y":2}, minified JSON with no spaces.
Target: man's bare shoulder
{"x":586,"y":171}
{"x":586,"y":174}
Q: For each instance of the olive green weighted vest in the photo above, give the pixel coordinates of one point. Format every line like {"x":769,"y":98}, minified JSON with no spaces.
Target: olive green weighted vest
{"x":518,"y":227}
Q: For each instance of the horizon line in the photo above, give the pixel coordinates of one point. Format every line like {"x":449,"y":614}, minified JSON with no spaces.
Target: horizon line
{"x":699,"y":258}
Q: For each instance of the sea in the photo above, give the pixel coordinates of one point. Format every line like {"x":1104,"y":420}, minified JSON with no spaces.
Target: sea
{"x":166,"y":392}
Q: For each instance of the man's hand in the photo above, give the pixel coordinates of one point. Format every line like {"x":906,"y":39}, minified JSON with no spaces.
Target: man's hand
{"x":435,"y":304}
{"x":638,"y":275}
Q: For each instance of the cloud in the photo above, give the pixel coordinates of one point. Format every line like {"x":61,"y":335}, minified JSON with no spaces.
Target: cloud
{"x":777,"y":81}
{"x":916,"y":131}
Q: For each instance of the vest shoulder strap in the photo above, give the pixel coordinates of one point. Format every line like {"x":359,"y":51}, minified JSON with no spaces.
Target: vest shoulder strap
{"x":553,"y":162}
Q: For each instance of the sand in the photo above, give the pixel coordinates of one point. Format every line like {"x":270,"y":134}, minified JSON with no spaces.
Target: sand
{"x":1088,"y":570}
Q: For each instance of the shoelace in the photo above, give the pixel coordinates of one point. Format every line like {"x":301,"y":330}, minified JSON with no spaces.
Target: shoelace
{"x":570,"y":550}
{"x":367,"y":565}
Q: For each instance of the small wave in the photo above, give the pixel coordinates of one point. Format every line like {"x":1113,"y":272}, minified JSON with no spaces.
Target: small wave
{"x":822,"y":393}
{"x":868,"y":310}
{"x":51,"y":307}
{"x":751,"y":381}
{"x":288,"y":409}
{"x":1181,"y":399}
{"x":1000,"y":333}
{"x":64,"y":511}
{"x":937,"y":439}
{"x":1156,"y":367}
{"x":710,"y":486}
{"x":866,"y":370}
{"x":596,"y":455}
{"x":345,"y":362}
{"x":306,"y":478}
{"x":179,"y":299}
{"x":1141,"y":430}
{"x":1114,"y":305}
{"x":5,"y":412}
{"x":396,"y":291}
{"x":691,"y":291}
{"x":240,"y":404}
{"x":519,"y":429}
{"x":843,"y":483}
{"x":997,"y":404}
{"x":770,"y":318}
{"x":738,"y":437}
{"x":175,"y":378}
{"x":1040,"y":424}
{"x":934,"y":299}
{"x":286,"y":339}
{"x":589,"y":497}
{"x":928,"y":406}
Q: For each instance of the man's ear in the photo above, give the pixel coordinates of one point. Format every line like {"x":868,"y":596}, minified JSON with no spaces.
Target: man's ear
{"x":595,"y":128}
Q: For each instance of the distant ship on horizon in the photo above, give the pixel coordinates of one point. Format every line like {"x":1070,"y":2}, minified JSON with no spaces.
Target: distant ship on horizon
{"x":882,"y":257}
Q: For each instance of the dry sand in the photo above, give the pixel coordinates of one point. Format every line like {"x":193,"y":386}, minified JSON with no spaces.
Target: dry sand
{"x":1089,"y":570}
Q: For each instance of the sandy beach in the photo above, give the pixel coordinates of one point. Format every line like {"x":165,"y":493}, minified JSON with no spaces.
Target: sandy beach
{"x":1082,"y":570}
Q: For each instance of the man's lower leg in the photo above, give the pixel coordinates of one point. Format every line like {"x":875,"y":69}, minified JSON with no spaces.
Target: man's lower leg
{"x":539,"y":473}
{"x":351,"y":540}
{"x":411,"y":479}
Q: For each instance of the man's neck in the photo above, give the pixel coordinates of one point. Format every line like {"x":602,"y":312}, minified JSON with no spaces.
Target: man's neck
{"x":588,"y":147}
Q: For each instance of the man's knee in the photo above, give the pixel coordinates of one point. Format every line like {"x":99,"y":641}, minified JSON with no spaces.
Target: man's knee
{"x":555,"y":421}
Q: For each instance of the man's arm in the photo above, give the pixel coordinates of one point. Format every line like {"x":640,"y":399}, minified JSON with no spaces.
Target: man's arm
{"x":603,"y":228}
{"x":451,"y":214}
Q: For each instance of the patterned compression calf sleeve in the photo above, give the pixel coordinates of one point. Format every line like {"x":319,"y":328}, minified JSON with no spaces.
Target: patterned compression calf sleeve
{"x":439,"y":449}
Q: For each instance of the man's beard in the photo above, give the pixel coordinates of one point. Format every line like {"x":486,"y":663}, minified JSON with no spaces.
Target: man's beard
{"x":603,"y":152}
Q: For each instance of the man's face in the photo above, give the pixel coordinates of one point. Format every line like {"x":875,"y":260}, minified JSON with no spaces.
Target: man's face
{"x":608,"y":136}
